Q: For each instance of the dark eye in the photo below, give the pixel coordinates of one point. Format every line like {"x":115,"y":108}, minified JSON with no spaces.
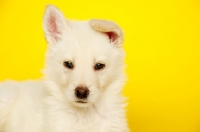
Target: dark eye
{"x":68,"y":64}
{"x":99,"y":66}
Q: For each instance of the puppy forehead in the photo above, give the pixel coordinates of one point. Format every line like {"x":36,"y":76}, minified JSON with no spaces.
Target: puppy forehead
{"x":81,"y":38}
{"x":83,"y":33}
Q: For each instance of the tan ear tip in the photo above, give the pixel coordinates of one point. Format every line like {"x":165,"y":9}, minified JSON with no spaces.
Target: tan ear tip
{"x":94,"y":22}
{"x":108,"y":26}
{"x":91,"y":22}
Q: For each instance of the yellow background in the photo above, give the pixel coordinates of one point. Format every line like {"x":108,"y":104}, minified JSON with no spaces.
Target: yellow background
{"x":162,"y":45}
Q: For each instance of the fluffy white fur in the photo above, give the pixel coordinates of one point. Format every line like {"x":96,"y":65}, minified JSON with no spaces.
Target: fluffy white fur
{"x":50,"y":105}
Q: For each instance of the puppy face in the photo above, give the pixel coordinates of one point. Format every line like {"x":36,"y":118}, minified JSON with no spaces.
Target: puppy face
{"x":84,"y":58}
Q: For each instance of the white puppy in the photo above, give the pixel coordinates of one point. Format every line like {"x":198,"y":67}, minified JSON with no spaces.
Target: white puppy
{"x":83,"y":80}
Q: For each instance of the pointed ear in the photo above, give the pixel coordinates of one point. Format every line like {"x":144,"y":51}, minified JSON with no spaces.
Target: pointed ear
{"x":109,"y":28}
{"x":54,"y":24}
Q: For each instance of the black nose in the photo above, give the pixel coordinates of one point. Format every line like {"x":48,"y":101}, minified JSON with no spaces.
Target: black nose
{"x":81,"y":92}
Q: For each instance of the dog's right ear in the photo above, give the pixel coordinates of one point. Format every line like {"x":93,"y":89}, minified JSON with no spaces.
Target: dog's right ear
{"x":54,"y":24}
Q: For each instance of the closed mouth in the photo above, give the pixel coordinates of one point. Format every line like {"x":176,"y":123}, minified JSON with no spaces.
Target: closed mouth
{"x":81,"y":102}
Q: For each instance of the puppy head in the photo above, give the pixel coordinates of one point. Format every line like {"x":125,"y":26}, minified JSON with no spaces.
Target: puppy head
{"x":84,"y":59}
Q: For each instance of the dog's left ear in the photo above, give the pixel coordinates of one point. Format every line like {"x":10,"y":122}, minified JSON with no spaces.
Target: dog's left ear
{"x":109,"y":28}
